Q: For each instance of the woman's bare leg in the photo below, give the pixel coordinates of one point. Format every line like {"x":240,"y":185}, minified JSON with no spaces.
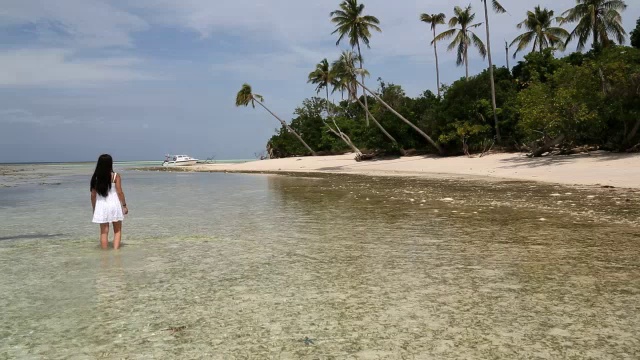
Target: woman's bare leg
{"x":117,"y":234}
{"x":104,"y":235}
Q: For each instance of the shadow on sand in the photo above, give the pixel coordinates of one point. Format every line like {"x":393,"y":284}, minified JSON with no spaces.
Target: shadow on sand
{"x":555,"y":160}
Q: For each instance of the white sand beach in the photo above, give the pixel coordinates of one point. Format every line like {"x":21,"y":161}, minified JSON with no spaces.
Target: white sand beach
{"x":595,"y":168}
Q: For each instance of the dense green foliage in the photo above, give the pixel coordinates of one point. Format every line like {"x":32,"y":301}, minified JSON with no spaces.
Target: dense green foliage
{"x":635,"y":36}
{"x":588,"y":99}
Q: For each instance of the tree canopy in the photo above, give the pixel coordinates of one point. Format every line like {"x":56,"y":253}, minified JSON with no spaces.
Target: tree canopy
{"x":588,"y":99}
{"x":635,"y":35}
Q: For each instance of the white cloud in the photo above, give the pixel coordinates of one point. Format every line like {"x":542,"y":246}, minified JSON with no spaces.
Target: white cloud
{"x":87,"y":23}
{"x":285,"y":20}
{"x":306,"y":23}
{"x":283,"y":65}
{"x":58,"y":67}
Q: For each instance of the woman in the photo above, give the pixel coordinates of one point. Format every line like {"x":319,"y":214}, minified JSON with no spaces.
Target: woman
{"x":107,"y":200}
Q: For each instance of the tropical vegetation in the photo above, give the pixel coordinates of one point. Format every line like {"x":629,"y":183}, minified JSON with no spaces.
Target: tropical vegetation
{"x":635,"y":35}
{"x":544,"y":104}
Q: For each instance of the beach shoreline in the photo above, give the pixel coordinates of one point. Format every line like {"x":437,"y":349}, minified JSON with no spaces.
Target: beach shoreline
{"x":591,"y":169}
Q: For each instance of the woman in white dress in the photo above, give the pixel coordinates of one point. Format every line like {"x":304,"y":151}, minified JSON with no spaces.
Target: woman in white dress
{"x":107,"y":199}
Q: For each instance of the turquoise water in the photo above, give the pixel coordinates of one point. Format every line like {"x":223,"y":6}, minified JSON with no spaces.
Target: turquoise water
{"x":249,"y":266}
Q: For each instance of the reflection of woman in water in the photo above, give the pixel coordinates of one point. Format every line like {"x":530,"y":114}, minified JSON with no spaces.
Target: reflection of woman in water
{"x":107,"y":200}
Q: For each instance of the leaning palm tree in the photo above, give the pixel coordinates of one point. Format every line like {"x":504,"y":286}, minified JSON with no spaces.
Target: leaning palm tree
{"x":351,"y":72}
{"x":351,"y":23}
{"x":323,"y":77}
{"x":345,"y":80}
{"x":434,"y":20}
{"x":500,"y":10}
{"x":463,"y":37}
{"x":540,"y":32}
{"x":598,"y":18}
{"x":246,"y":97}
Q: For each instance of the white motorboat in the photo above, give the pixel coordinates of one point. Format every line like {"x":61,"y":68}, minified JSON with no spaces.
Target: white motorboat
{"x":179,"y":160}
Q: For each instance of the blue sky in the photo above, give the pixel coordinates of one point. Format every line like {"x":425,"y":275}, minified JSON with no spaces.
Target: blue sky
{"x":139,"y":79}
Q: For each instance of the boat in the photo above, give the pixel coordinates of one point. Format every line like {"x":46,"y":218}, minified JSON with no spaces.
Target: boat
{"x":179,"y":160}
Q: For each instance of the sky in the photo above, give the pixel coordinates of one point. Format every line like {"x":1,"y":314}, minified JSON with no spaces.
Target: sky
{"x":144,"y":78}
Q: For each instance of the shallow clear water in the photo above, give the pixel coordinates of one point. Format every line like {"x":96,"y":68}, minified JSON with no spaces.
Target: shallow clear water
{"x":249,"y":266}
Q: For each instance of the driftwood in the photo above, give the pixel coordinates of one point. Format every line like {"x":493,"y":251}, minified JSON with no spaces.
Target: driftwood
{"x":365,"y":157}
{"x":634,"y":148}
{"x":578,"y":150}
{"x":548,"y":145}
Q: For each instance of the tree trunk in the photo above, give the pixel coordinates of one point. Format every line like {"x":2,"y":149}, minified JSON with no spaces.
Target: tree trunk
{"x":506,"y":49}
{"x":540,"y":44}
{"x":546,"y":147}
{"x":377,"y":123}
{"x":365,"y":94}
{"x":403,"y":118}
{"x":327,"y":88}
{"x":346,"y":139}
{"x":493,"y":85}
{"x":633,"y":132}
{"x":595,"y":35}
{"x":339,"y":132}
{"x":287,"y":126}
{"x":466,"y":61}
{"x":435,"y":49}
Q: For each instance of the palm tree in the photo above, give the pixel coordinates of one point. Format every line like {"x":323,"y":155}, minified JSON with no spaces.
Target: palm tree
{"x":246,"y":96}
{"x":500,"y":10}
{"x":540,"y":32}
{"x":351,"y":22}
{"x":344,"y":78}
{"x":463,"y":37}
{"x":434,"y":20}
{"x":598,"y":18}
{"x":323,"y":77}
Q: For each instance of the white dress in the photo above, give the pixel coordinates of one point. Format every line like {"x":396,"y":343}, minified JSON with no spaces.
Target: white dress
{"x":108,"y":209}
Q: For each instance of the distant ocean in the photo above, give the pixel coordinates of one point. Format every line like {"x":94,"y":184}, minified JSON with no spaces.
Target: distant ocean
{"x":135,"y":163}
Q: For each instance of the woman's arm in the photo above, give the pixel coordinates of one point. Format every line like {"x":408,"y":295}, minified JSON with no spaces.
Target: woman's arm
{"x":93,"y":199}
{"x":121,"y":193}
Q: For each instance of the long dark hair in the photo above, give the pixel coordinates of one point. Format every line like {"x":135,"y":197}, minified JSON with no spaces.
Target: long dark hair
{"x":101,"y":179}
